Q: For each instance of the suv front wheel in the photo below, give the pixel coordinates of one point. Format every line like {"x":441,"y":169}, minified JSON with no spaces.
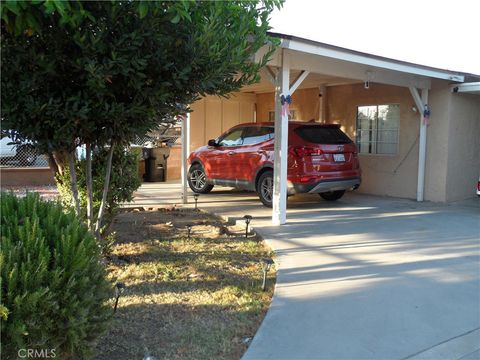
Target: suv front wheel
{"x":197,"y":180}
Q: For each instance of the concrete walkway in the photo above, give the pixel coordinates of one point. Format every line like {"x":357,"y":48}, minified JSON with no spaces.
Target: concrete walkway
{"x":363,"y":278}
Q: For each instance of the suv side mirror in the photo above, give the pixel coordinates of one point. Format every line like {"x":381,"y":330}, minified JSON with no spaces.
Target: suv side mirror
{"x":212,"y":142}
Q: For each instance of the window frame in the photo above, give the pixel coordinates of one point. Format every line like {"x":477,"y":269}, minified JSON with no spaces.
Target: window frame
{"x":357,"y":131}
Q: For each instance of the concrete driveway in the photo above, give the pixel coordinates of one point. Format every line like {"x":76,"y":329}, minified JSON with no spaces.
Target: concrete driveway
{"x":365,"y":277}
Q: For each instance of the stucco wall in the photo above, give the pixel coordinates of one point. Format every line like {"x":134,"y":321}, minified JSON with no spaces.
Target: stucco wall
{"x":213,"y":115}
{"x":463,"y":146}
{"x":305,"y":102}
{"x":392,"y":175}
{"x":26,"y":176}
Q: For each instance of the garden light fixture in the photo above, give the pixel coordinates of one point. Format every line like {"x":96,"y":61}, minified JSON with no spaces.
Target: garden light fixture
{"x":189,"y":231}
{"x":266,"y":264}
{"x":248,"y":219}
{"x":119,"y":289}
{"x":195,"y":197}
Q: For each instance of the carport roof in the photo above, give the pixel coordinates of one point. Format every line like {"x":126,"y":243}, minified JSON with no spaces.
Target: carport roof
{"x":318,"y":48}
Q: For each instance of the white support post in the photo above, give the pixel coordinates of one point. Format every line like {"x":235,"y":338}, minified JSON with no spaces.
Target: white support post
{"x":322,"y":116}
{"x":422,"y":149}
{"x":279,"y":203}
{"x":185,"y":152}
{"x":421,"y":102}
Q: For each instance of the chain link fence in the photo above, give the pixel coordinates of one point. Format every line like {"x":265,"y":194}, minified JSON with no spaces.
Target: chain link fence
{"x":20,"y":155}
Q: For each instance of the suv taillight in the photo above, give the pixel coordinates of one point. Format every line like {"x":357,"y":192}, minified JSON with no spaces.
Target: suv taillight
{"x":301,"y":151}
{"x":478,"y":186}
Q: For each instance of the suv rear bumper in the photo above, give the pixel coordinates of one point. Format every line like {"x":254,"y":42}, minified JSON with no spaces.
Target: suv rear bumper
{"x":327,"y":185}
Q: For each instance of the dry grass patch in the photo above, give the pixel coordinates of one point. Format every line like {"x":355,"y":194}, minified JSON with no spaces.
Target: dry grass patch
{"x":196,"y":298}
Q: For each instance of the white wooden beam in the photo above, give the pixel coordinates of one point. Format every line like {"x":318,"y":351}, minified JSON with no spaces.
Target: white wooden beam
{"x":352,"y":71}
{"x":417,"y":99}
{"x":421,"y":101}
{"x":322,"y":111}
{"x":422,"y":150}
{"x":279,"y":203}
{"x":185,"y":137}
{"x":298,"y":81}
{"x":346,"y":55}
{"x":271,"y":76}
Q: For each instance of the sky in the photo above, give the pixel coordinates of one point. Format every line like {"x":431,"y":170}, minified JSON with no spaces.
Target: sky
{"x":442,"y":34}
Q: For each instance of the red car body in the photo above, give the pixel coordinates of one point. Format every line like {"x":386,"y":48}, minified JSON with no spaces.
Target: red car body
{"x":321,"y":159}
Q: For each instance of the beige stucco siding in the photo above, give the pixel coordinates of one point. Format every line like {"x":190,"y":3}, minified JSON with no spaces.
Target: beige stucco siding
{"x":305,"y":103}
{"x":392,"y":175}
{"x":213,"y":115}
{"x":463,"y":146}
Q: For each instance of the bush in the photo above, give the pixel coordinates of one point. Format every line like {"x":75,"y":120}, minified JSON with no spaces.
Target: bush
{"x":124,"y":180}
{"x":53,"y":283}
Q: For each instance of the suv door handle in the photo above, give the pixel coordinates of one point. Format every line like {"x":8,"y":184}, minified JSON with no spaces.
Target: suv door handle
{"x":261,"y":152}
{"x":231,"y":152}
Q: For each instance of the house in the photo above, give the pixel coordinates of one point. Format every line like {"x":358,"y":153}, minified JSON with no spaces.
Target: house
{"x":417,"y":127}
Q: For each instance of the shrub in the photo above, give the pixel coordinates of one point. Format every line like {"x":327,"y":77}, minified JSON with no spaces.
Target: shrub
{"x":53,"y":282}
{"x":124,"y":180}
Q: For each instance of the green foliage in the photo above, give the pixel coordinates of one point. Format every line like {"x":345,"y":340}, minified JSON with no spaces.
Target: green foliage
{"x":88,"y":72}
{"x":53,"y":284}
{"x":123,"y":182}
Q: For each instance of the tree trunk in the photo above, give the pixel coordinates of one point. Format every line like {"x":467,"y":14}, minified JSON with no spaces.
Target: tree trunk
{"x":52,"y":162}
{"x":89,"y":183}
{"x":73,"y":182}
{"x":105,"y":192}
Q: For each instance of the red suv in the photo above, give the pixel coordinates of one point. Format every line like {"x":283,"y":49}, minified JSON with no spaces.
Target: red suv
{"x":321,"y":159}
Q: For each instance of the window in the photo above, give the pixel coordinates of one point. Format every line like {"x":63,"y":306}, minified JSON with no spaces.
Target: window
{"x":323,"y":134}
{"x":292,"y":116}
{"x":257,"y":134}
{"x":232,"y":138}
{"x":377,"y":129}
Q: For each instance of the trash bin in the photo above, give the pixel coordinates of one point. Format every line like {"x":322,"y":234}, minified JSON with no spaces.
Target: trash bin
{"x":150,"y":169}
{"x":160,"y":173}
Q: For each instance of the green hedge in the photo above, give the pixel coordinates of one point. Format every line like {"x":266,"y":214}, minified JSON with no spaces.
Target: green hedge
{"x":53,"y":283}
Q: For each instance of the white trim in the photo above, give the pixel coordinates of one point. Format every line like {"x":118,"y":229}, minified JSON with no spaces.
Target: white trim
{"x":343,"y":54}
{"x":471,"y":87}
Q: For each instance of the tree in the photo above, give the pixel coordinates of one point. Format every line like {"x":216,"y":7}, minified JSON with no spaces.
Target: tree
{"x":100,"y":73}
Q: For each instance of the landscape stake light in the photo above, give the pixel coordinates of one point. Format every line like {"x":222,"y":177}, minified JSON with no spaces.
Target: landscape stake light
{"x":119,"y":289}
{"x":266,"y":265}
{"x":195,"y":197}
{"x":247,"y":218}
{"x":189,"y":231}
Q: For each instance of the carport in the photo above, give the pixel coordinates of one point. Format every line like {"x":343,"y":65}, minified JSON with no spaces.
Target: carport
{"x":299,"y":64}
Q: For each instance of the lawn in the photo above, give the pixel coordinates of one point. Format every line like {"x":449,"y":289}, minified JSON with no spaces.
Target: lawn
{"x":184,"y":298}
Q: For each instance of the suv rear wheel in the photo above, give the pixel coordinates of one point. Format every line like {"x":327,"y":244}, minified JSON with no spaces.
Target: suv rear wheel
{"x":332,"y":195}
{"x":265,"y":188}
{"x":197,"y":180}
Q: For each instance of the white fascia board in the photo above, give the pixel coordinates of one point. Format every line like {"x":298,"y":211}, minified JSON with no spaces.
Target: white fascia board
{"x":369,"y":61}
{"x":471,"y":87}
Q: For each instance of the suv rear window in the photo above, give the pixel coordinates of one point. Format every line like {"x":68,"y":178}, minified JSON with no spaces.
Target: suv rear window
{"x":323,"y":135}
